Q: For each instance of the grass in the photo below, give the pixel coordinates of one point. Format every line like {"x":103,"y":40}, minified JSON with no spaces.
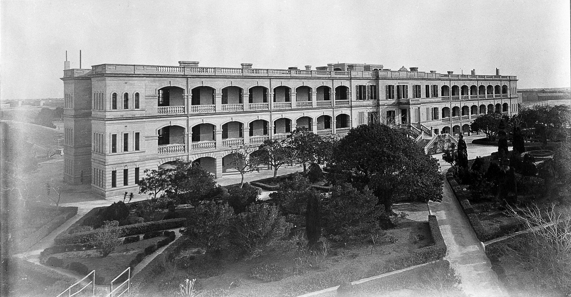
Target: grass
{"x":108,"y":267}
{"x":290,"y":272}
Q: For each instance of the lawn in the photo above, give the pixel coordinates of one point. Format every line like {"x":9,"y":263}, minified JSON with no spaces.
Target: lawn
{"x":293,"y":271}
{"x":108,"y":267}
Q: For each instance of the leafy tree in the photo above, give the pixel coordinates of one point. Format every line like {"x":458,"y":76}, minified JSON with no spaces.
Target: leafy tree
{"x":107,"y":237}
{"x":350,"y":214}
{"x":154,"y":182}
{"x":315,"y":173}
{"x":291,"y":196}
{"x":258,"y":229}
{"x":274,"y":153}
{"x":488,"y":124}
{"x":45,"y":118}
{"x":209,"y":226}
{"x":196,"y":185}
{"x":240,"y":198}
{"x":389,"y":163}
{"x":306,"y":146}
{"x":313,"y":219}
{"x":549,"y":122}
{"x":242,"y":160}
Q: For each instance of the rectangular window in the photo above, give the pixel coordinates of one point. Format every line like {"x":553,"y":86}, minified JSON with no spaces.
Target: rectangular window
{"x":427,"y":91}
{"x":125,"y":177}
{"x":137,"y":104}
{"x":390,"y":92}
{"x":126,"y":142}
{"x":434,"y":91}
{"x":416,"y":91}
{"x":137,"y":137}
{"x":361,"y":92}
{"x":113,"y":143}
{"x":114,"y":101}
{"x":373,"y":92}
{"x":136,"y":175}
{"x":114,"y":179}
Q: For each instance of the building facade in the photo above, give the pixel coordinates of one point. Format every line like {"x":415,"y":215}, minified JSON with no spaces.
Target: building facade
{"x":122,"y":119}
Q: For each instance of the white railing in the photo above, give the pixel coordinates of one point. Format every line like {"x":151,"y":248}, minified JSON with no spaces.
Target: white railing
{"x":282,"y":105}
{"x":259,"y":139}
{"x":123,"y":287}
{"x":465,"y":117}
{"x":203,"y":108}
{"x":170,"y":109}
{"x":341,"y":102}
{"x":172,"y":148}
{"x":68,"y":292}
{"x":482,"y":96}
{"x":202,"y":145}
{"x":465,"y":97}
{"x":280,"y":136}
{"x":232,"y":107}
{"x":259,"y":106}
{"x":303,"y":104}
{"x":324,"y":103}
{"x":233,"y":142}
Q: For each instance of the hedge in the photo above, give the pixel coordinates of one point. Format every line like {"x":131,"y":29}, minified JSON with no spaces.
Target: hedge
{"x":66,"y":248}
{"x":45,"y":230}
{"x":79,"y":268}
{"x":131,"y":239}
{"x":265,"y":186}
{"x":128,"y":230}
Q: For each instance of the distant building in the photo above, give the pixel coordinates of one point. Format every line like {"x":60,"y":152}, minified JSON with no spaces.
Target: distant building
{"x":536,"y":95}
{"x":122,"y":119}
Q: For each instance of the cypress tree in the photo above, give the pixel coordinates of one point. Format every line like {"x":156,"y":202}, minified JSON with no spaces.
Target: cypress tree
{"x":313,"y":220}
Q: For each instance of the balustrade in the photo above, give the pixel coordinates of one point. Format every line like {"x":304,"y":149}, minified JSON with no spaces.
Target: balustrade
{"x":172,"y":148}
{"x":324,"y":103}
{"x":259,"y":106}
{"x":170,"y":109}
{"x":280,"y":136}
{"x":232,"y":107}
{"x":282,"y":105}
{"x":233,"y":142}
{"x":341,"y":102}
{"x":202,"y":145}
{"x":303,"y":104}
{"x":259,"y":139}
{"x":324,"y":132}
{"x":203,"y":108}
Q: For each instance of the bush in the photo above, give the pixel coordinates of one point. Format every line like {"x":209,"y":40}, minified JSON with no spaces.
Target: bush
{"x":258,"y":228}
{"x":267,"y":272}
{"x":240,"y":198}
{"x":54,"y":262}
{"x":150,"y":249}
{"x":152,"y":234}
{"x":209,"y":226}
{"x":94,"y":222}
{"x":350,"y":214}
{"x":131,"y":239}
{"x":115,"y":212}
{"x":107,"y":237}
{"x":80,"y":229}
{"x":79,"y":268}
{"x":315,"y":174}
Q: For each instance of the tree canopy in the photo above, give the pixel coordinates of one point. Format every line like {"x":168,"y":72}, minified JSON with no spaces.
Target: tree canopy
{"x":274,"y":153}
{"x":488,"y":124}
{"x":389,"y":163}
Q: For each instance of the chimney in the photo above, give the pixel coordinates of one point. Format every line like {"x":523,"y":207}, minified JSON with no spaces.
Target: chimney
{"x":188,"y":63}
{"x":246,"y":66}
{"x":432,"y":71}
{"x":307,"y":67}
{"x":66,"y":63}
{"x":414,"y":69}
{"x":450,"y":72}
{"x":473,"y":72}
{"x":497,"y":71}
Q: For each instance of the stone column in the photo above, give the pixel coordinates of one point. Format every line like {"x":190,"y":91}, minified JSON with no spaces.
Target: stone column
{"x":246,"y":134}
{"x":245,"y":100}
{"x":218,"y":101}
{"x":293,"y":98}
{"x":218,"y":137}
{"x":218,"y":166}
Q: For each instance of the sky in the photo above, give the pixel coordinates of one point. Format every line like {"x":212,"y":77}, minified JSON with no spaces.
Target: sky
{"x":529,"y":39}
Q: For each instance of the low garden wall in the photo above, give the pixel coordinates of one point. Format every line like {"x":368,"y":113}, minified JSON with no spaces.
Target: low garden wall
{"x":32,"y":239}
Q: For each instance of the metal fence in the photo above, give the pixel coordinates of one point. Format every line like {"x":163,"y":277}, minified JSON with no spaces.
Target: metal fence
{"x":72,"y":290}
{"x":123,"y":287}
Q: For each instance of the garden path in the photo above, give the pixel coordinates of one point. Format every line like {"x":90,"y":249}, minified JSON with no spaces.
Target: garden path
{"x":465,"y":252}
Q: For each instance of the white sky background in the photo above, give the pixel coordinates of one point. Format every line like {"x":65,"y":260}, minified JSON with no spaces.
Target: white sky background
{"x":530,"y":39}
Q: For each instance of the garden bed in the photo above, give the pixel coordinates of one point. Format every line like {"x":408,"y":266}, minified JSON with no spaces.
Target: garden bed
{"x":295,"y":272}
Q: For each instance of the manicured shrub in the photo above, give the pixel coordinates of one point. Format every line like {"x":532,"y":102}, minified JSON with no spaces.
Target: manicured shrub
{"x":350,"y":214}
{"x":240,"y":198}
{"x":131,"y":239}
{"x":79,"y":268}
{"x":257,"y":229}
{"x":313,"y":219}
{"x":107,"y":238}
{"x":80,"y":229}
{"x":315,"y":174}
{"x":150,"y":249}
{"x":115,"y":212}
{"x":54,"y":262}
{"x":209,"y":226}
{"x":152,"y":234}
{"x":95,"y":221}
{"x":139,"y":257}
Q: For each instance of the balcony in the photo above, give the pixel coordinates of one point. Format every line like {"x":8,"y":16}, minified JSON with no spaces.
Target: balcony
{"x":455,"y":97}
{"x":465,"y":117}
{"x":204,"y":145}
{"x":282,"y":105}
{"x":465,"y":97}
{"x":482,"y":96}
{"x":259,"y":106}
{"x":210,"y":108}
{"x":232,"y":107}
{"x":170,"y":109}
{"x":280,"y":136}
{"x":232,"y":142}
{"x":341,"y":102}
{"x":172,"y":149}
{"x":259,"y":139}
{"x":303,"y":104}
{"x":324,"y":103}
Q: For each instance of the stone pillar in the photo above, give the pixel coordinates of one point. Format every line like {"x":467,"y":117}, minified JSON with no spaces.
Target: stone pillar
{"x":314,"y":98}
{"x":293,"y":98}
{"x":218,"y":137}
{"x":218,"y":166}
{"x":271,"y":100}
{"x":314,"y":126}
{"x":245,"y":100}
{"x":218,"y":101}
{"x":271,"y":130}
{"x":246,"y":134}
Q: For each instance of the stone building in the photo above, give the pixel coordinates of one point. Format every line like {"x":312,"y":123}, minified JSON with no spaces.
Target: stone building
{"x":122,"y":119}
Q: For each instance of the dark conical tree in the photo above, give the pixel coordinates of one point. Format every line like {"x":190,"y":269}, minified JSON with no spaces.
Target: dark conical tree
{"x":313,"y":220}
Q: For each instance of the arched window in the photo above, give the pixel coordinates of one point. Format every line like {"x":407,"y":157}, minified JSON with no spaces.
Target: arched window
{"x":114,"y":101}
{"x":126,"y":101}
{"x":137,"y":104}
